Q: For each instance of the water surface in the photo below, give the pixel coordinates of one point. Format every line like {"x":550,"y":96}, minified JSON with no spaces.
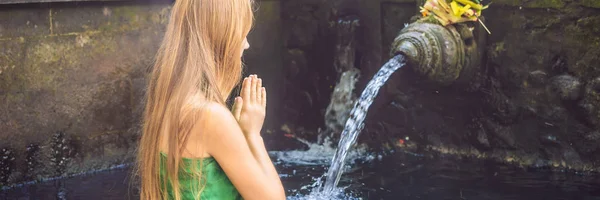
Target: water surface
{"x":396,"y":176}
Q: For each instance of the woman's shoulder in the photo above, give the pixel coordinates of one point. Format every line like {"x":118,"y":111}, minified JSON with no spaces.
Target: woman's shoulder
{"x":199,"y":109}
{"x":212,"y":117}
{"x":216,"y":112}
{"x":211,"y":122}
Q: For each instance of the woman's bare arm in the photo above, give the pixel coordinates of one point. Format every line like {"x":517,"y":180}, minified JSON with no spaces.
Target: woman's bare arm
{"x":244,"y":160}
{"x":250,"y":110}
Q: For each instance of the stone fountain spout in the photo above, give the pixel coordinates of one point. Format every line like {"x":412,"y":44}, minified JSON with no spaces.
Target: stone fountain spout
{"x":443,"y":54}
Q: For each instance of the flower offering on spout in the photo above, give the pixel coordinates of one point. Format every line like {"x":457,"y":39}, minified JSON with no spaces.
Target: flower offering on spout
{"x":454,"y":11}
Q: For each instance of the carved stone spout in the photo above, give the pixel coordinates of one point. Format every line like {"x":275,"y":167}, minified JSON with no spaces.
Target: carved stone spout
{"x":443,"y":54}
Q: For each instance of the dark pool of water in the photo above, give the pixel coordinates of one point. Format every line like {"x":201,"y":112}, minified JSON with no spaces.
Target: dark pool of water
{"x":393,"y":177}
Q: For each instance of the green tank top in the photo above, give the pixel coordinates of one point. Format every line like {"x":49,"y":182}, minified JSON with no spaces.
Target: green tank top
{"x":218,"y":185}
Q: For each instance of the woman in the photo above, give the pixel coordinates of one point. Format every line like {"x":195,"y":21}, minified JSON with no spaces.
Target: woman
{"x":192,"y":146}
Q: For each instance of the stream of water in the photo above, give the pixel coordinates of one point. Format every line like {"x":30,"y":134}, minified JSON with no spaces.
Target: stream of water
{"x":355,"y":123}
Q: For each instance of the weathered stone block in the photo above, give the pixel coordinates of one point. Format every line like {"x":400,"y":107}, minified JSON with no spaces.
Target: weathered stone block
{"x":108,"y":18}
{"x":591,"y":3}
{"x":24,"y":22}
{"x":397,"y":1}
{"x":302,"y":24}
{"x":85,"y":85}
{"x":395,"y":16}
{"x":11,"y":55}
{"x":546,"y":4}
{"x":508,"y":2}
{"x":533,"y":4}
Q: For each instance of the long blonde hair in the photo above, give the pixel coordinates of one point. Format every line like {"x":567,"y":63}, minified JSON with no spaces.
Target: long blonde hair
{"x":200,"y":56}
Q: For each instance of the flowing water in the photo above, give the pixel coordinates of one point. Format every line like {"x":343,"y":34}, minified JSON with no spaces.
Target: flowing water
{"x":355,"y":123}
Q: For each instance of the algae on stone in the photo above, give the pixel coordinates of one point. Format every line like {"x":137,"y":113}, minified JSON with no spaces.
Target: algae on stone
{"x":591,"y":3}
{"x":546,"y":4}
{"x":533,"y":3}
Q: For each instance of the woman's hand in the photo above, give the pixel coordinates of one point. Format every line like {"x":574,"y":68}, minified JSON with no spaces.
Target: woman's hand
{"x":250,"y":109}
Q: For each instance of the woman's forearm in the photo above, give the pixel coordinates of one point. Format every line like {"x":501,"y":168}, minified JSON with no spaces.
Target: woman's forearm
{"x":257,"y":146}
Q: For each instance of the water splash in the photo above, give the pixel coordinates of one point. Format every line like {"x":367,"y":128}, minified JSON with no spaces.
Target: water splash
{"x":336,"y":194}
{"x":318,"y":154}
{"x":355,"y":123}
{"x":339,"y":107}
{"x":317,"y":194}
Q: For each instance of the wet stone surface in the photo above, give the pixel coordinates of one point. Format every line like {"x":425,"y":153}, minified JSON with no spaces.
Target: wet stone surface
{"x":7,"y":164}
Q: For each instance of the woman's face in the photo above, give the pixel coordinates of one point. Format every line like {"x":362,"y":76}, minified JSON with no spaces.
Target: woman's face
{"x":245,"y":45}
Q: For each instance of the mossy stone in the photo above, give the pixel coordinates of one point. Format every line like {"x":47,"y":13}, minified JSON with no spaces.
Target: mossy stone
{"x":591,"y":3}
{"x":533,"y":4}
{"x":546,"y":4}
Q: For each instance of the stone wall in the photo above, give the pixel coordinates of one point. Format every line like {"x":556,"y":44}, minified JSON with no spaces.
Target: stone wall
{"x":73,"y":76}
{"x":534,"y":104}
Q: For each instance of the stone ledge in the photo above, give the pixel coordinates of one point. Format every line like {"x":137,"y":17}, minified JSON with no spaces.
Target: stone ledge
{"x":525,"y":4}
{"x":533,"y":3}
{"x":398,"y":1}
{"x":108,"y":18}
{"x":42,"y":22}
{"x":24,"y":22}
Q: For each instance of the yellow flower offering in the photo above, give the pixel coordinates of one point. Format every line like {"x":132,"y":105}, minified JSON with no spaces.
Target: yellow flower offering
{"x":454,"y":11}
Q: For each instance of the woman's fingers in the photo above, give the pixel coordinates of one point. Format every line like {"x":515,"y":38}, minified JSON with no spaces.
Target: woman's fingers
{"x":253,"y":93}
{"x":258,"y":86}
{"x":259,"y":91}
{"x":237,"y":107}
{"x":263,"y":92}
{"x":246,"y":89}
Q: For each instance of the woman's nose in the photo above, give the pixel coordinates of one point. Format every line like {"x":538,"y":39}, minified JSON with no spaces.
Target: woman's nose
{"x":246,"y":44}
